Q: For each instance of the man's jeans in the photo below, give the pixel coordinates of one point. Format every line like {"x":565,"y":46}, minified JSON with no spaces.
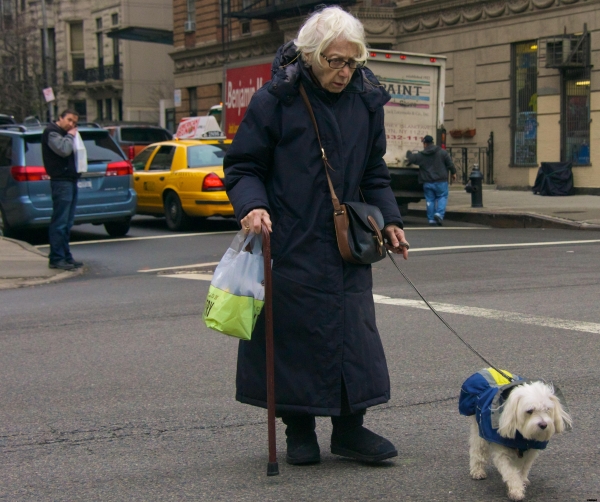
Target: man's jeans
{"x":64,"y":200}
{"x":436,"y":195}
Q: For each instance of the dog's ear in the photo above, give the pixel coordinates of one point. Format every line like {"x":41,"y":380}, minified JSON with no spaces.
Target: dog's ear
{"x":508,"y":418}
{"x":561,"y":418}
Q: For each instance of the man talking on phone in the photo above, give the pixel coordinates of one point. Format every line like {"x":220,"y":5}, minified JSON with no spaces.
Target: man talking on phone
{"x":58,"y":153}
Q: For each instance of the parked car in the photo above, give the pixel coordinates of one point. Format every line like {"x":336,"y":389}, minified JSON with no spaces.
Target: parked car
{"x":182,"y":179}
{"x":106,"y":196}
{"x":7,"y":119}
{"x":134,"y":138}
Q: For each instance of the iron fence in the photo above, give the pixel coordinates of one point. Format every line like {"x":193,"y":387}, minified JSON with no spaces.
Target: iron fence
{"x":465,"y":156}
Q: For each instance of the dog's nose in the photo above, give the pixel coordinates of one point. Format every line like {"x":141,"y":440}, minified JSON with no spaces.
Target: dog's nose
{"x":543,"y":425}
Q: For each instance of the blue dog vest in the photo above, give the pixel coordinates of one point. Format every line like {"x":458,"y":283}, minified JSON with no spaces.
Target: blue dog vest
{"x":477,"y":397}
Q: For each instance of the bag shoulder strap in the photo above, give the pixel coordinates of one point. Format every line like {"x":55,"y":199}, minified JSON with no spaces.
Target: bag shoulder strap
{"x":336,"y":203}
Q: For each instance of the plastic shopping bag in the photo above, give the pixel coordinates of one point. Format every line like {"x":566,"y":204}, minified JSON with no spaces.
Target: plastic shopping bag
{"x":237,"y":292}
{"x":80,"y":154}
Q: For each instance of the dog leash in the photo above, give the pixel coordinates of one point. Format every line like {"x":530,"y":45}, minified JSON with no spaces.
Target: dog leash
{"x":469,"y":346}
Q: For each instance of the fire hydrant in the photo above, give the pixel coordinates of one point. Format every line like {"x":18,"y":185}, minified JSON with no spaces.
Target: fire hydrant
{"x":475,"y":187}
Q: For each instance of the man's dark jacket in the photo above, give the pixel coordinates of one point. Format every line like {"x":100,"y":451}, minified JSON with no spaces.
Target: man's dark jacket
{"x":434,"y":164}
{"x":59,"y":168}
{"x":324,"y":315}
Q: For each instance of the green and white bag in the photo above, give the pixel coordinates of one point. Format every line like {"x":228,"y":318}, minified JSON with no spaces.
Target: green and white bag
{"x":237,"y":292}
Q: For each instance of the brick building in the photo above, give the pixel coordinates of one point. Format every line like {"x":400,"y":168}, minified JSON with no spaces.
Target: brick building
{"x":524,"y":70}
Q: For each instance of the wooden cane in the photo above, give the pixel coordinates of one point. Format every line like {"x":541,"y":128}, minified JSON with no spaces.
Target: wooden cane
{"x":273,"y":466}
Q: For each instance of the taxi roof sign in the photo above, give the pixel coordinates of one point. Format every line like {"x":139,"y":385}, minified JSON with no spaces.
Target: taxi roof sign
{"x":205,"y":127}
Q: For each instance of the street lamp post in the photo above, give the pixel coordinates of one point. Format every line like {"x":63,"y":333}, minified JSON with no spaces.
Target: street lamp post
{"x":45,"y":55}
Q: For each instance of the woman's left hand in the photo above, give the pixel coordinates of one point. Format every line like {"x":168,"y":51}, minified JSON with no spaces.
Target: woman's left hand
{"x":396,"y":241}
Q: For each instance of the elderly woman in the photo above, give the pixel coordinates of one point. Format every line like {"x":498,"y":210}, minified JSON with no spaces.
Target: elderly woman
{"x":329,"y":360}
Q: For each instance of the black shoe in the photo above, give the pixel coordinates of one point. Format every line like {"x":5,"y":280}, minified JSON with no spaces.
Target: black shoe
{"x":438,"y":219}
{"x":433,"y":224}
{"x":302,"y":445}
{"x":62,"y":264}
{"x":75,"y":263}
{"x":350,"y":439}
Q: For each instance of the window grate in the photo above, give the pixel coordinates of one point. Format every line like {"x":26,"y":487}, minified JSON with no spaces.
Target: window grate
{"x":575,"y":116}
{"x":524,"y":103}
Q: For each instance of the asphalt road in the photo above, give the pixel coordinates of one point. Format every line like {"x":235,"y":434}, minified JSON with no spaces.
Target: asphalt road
{"x":113,"y":389}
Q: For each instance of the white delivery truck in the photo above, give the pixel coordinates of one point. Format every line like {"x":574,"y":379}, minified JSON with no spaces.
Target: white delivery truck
{"x":416,"y":83}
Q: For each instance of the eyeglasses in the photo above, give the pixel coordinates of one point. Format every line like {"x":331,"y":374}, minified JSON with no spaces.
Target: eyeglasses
{"x":338,"y":63}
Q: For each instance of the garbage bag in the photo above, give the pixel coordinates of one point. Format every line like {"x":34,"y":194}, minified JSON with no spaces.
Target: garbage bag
{"x":237,"y":292}
{"x":554,"y":178}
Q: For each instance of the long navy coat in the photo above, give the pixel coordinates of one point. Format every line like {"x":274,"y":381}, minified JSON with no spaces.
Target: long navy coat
{"x":324,"y":315}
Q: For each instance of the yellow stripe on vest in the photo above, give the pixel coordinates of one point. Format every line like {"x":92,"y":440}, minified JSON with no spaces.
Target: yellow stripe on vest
{"x":498,"y":378}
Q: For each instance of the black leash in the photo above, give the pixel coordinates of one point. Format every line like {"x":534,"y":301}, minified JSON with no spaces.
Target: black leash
{"x":509,"y":378}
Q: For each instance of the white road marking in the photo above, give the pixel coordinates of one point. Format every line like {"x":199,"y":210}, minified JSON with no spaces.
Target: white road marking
{"x":196,"y":277}
{"x":197,"y":265}
{"x":499,"y":315}
{"x":150,"y":237}
{"x":512,"y":245}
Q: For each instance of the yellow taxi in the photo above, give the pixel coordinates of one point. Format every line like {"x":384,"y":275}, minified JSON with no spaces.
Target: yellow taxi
{"x":182,"y":179}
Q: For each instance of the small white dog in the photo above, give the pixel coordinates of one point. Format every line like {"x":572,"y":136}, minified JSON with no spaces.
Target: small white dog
{"x":510,"y":422}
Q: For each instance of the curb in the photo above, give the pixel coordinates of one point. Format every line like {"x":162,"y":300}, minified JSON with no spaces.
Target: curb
{"x":25,"y":245}
{"x":23,"y":283}
{"x":511,"y":219}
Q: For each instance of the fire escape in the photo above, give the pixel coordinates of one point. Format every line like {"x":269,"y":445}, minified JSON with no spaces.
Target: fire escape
{"x":270,"y":10}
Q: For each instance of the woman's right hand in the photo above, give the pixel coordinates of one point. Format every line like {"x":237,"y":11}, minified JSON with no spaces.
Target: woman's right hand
{"x":254,"y":219}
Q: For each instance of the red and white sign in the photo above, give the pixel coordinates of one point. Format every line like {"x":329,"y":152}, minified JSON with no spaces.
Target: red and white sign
{"x":48,"y":94}
{"x":240,"y":85}
{"x":205,"y":127}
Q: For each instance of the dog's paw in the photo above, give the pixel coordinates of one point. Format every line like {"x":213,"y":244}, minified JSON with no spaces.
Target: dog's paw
{"x":478,"y":474}
{"x":516,"y":493}
{"x":526,"y":482}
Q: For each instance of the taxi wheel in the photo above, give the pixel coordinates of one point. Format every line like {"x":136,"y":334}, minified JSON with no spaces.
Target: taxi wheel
{"x":176,"y":217}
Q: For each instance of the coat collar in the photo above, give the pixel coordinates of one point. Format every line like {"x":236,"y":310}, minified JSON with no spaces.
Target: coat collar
{"x":288,"y":71}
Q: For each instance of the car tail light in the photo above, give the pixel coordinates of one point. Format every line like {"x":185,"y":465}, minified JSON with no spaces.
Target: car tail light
{"x":131,"y":152}
{"x":212,"y":183}
{"x":29,"y":173}
{"x":122,"y":168}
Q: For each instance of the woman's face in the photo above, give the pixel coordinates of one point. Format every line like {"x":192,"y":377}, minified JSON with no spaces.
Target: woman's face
{"x":333,"y":80}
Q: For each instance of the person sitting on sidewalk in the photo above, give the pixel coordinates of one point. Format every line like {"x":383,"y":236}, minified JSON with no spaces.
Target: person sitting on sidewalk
{"x":59,"y":161}
{"x":434,"y":164}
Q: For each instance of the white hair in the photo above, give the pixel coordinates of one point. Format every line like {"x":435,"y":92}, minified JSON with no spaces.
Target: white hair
{"x":326,"y":26}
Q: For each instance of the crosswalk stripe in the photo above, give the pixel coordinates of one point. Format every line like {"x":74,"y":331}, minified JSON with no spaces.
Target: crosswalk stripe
{"x":499,"y":315}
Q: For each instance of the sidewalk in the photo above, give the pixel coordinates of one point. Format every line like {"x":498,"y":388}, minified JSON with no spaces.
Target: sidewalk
{"x":23,"y":265}
{"x":520,"y":209}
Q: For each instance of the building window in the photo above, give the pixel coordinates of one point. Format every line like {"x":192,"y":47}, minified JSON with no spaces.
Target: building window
{"x":120,"y":110}
{"x":246,"y":28}
{"x":109,"y":114}
{"x":77,"y":52}
{"x":80,"y":106}
{"x":575,"y":116}
{"x":193,"y":96}
{"x":100,"y":48}
{"x":524,"y":104}
{"x":115,"y":19}
{"x":99,"y":114}
{"x":98,"y":23}
{"x":191,"y":10}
